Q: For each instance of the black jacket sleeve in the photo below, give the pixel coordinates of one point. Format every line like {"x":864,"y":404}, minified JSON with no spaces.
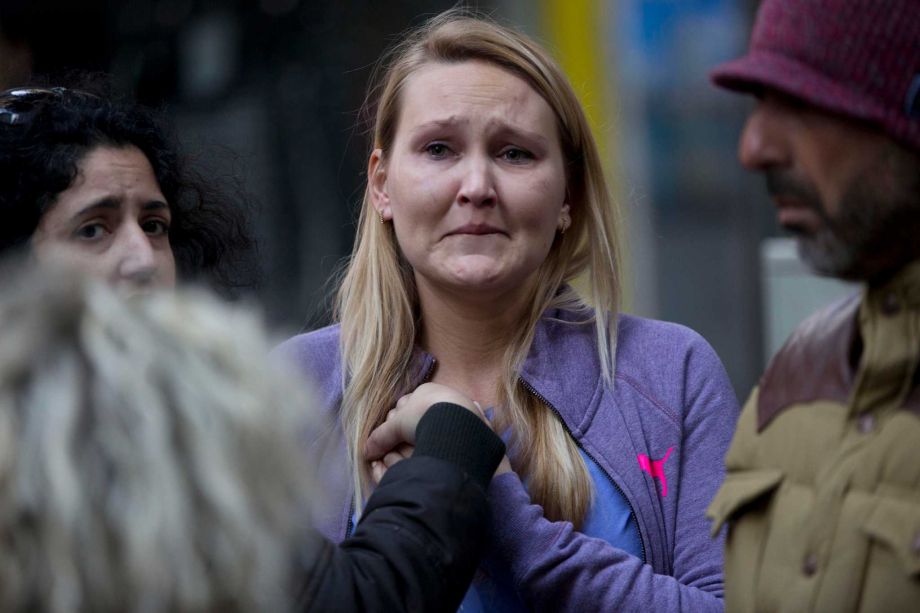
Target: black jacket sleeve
{"x":423,"y":530}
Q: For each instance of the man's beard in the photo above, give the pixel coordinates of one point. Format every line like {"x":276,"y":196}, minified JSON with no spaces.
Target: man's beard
{"x":876,"y":229}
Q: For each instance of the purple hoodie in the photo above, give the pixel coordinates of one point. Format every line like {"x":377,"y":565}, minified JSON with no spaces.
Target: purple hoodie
{"x":661,"y":433}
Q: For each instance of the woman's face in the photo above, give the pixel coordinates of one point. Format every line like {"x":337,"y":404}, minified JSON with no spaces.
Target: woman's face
{"x":112,"y":222}
{"x":475,"y":181}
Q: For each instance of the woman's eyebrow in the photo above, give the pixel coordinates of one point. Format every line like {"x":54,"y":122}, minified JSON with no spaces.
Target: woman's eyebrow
{"x":155,"y":205}
{"x":498,"y":125}
{"x":114,"y":204}
{"x":104,"y":203}
{"x":504,"y":128}
{"x":447,"y":122}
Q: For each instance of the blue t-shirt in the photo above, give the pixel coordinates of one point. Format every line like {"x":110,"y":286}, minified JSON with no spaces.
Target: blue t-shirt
{"x":609,"y":518}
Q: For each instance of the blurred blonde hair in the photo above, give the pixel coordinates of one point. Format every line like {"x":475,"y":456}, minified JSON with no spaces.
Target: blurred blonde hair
{"x":378,"y":302}
{"x":148,"y":460}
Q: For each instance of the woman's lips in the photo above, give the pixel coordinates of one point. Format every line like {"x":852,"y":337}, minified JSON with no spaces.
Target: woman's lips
{"x":475,"y":229}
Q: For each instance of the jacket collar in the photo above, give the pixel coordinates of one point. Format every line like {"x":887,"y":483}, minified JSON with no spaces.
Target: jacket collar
{"x":820,"y":359}
{"x":903,"y":290}
{"x":562,"y":367}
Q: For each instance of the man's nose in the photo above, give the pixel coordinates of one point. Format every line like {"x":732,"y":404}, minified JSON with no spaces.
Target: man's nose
{"x":763,"y":143}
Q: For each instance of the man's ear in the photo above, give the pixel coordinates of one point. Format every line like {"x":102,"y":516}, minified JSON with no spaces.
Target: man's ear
{"x":377,"y":185}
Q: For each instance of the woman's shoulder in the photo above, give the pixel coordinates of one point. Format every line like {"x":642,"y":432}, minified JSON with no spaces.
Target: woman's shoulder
{"x":669,"y":360}
{"x":657,"y":339}
{"x":314,"y":353}
{"x":640,"y":341}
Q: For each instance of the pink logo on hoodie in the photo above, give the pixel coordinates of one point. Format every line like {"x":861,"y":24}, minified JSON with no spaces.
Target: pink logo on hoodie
{"x":655,"y":468}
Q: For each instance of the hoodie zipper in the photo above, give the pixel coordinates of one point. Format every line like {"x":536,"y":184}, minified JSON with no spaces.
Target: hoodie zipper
{"x":565,"y":427}
{"x":351,"y":514}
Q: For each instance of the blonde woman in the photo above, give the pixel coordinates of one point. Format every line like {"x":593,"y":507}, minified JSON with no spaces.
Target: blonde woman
{"x":485,"y":198}
{"x":151,"y":460}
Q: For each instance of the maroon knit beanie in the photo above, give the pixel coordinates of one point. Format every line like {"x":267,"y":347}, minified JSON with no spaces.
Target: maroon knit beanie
{"x":859,"y":58}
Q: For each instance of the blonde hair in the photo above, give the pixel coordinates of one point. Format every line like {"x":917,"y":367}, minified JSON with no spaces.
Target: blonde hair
{"x":378,"y":302}
{"x":147,"y":461}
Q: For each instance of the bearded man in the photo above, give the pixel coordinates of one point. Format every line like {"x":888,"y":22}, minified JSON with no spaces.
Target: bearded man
{"x":822,"y":496}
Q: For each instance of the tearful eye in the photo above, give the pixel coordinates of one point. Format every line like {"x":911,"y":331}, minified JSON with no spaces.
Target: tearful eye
{"x":436,"y":150}
{"x":513,"y":154}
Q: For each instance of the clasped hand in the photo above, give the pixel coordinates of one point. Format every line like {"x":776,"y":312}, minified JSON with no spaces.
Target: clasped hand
{"x":394,"y":439}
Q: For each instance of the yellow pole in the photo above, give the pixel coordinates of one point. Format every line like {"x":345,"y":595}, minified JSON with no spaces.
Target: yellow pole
{"x":575,"y":30}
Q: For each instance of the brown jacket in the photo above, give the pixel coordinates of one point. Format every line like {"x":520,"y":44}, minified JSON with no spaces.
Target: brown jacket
{"x":822,"y":496}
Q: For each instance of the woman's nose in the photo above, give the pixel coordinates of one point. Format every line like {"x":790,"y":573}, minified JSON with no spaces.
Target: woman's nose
{"x":136,"y":256}
{"x":477,"y":186}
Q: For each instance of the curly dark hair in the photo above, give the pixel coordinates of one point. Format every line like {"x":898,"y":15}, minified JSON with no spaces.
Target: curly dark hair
{"x":46,"y":132}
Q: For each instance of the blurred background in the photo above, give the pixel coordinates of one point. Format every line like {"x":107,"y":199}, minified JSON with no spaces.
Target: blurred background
{"x":269,"y":91}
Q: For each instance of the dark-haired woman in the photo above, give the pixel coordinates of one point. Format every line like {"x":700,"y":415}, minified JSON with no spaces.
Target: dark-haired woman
{"x":97,"y":183}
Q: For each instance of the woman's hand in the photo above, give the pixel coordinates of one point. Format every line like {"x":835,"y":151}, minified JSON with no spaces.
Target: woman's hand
{"x":394,"y":439}
{"x":401,"y":421}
